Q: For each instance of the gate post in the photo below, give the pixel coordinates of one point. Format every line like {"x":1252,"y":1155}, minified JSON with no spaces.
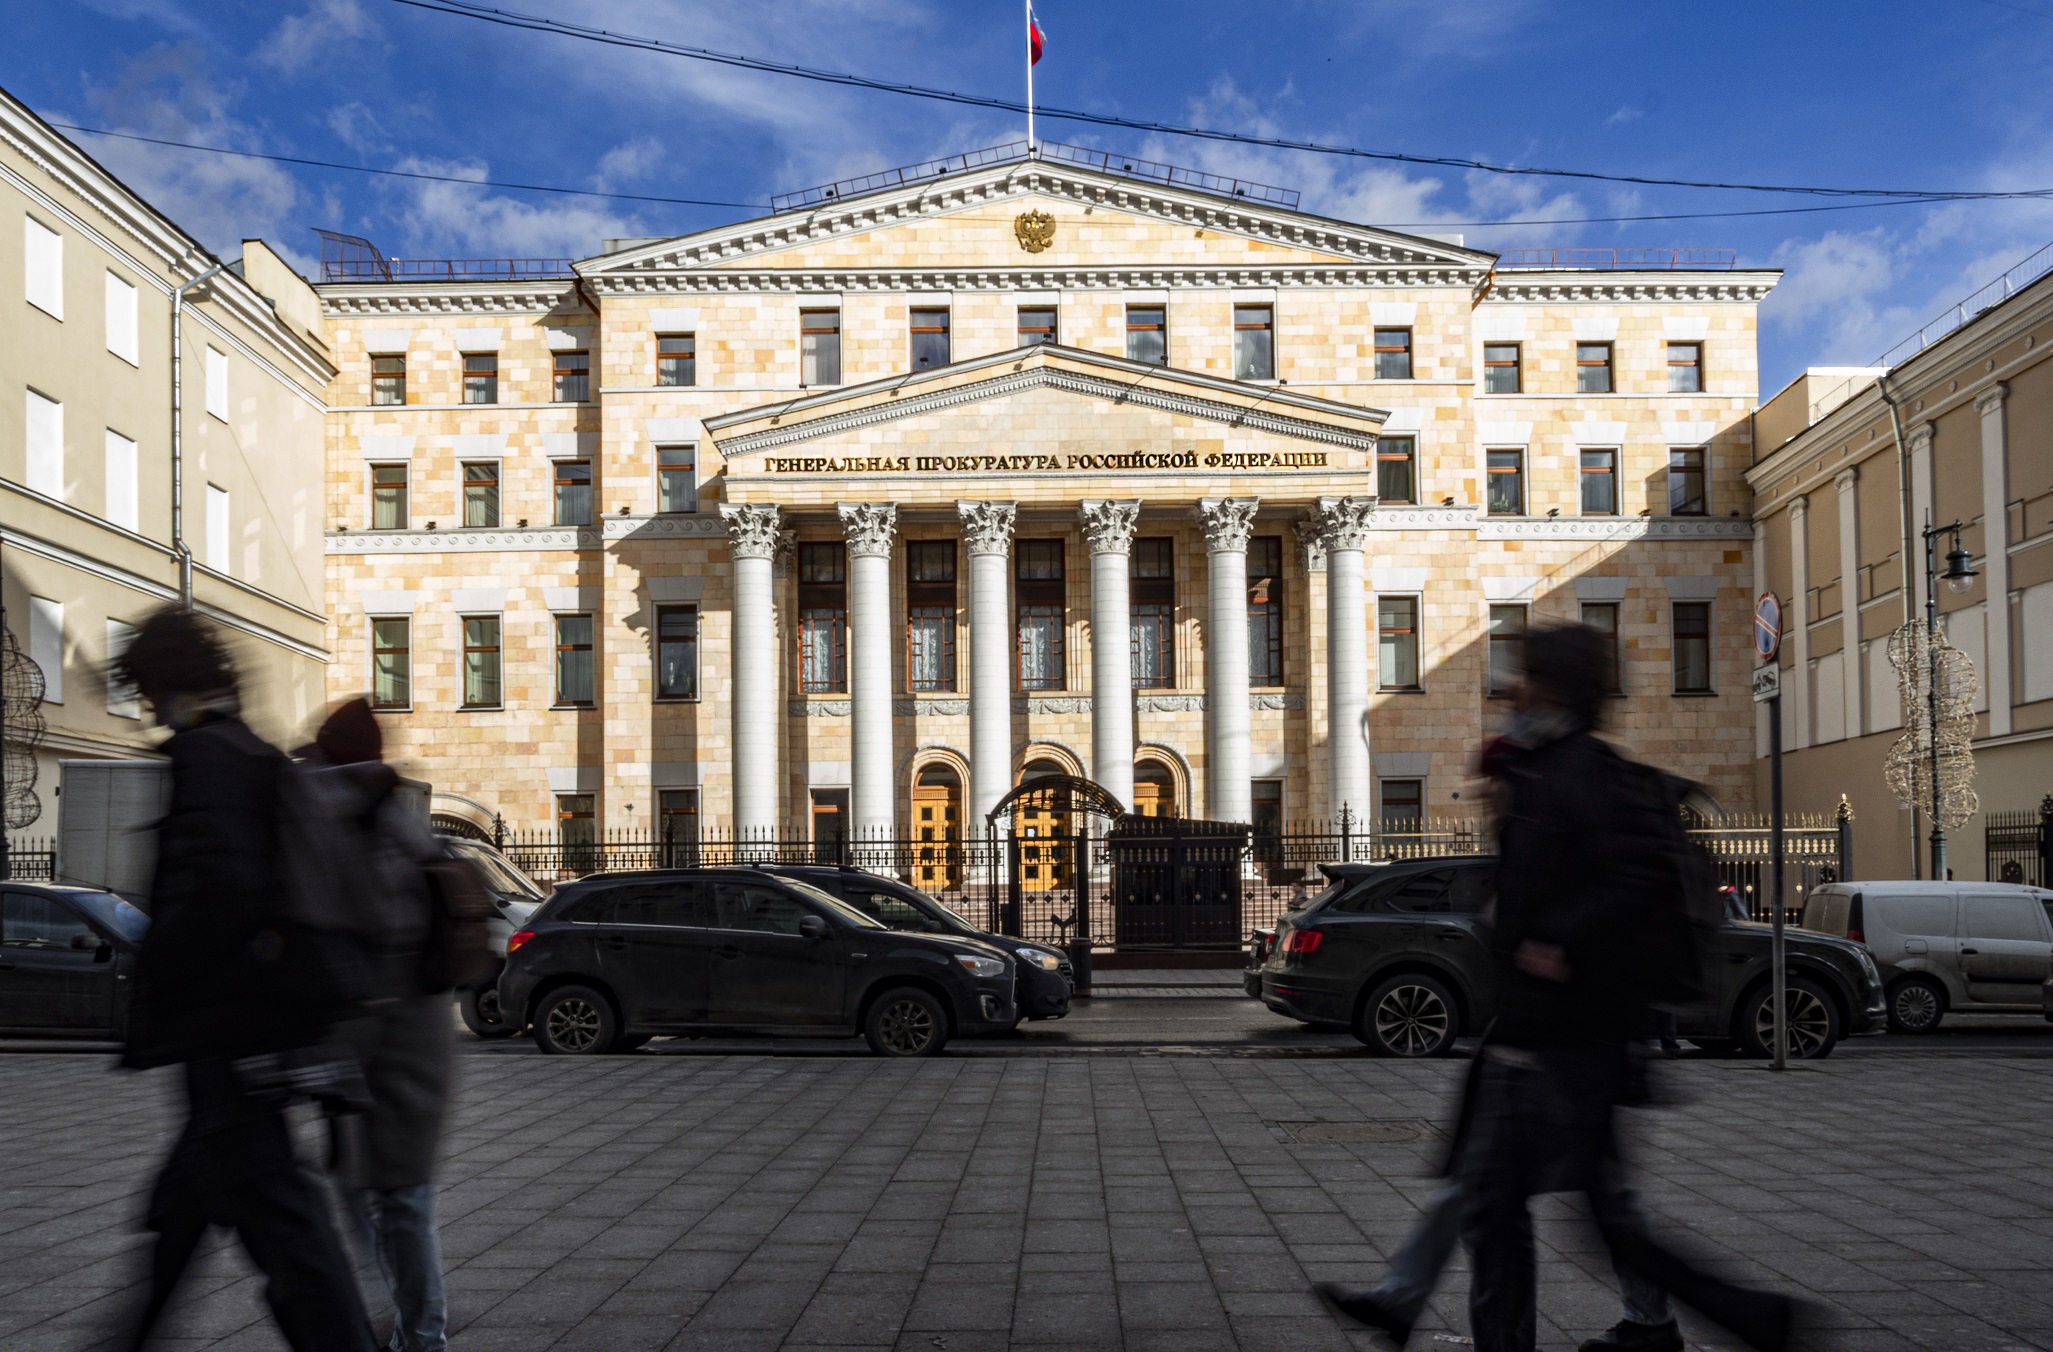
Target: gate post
{"x":1844,"y":817}
{"x":1080,"y":937}
{"x":2045,"y":841}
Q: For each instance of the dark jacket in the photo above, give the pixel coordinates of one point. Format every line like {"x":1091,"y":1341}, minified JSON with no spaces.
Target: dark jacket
{"x":1582,"y":852}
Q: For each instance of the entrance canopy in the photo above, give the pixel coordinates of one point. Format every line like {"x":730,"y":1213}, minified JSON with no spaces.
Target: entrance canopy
{"x":1082,"y":795}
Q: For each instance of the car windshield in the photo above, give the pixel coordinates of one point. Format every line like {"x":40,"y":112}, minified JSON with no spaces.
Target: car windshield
{"x":500,"y":875}
{"x":833,"y":903}
{"x":111,"y":911}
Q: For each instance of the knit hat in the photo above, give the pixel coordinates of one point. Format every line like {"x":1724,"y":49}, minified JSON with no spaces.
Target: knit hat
{"x":351,"y":734}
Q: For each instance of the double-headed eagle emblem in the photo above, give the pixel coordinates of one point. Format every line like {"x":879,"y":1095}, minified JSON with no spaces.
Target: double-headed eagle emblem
{"x":1034,"y":229}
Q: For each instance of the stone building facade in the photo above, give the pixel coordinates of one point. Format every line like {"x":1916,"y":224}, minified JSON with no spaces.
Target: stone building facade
{"x":818,"y":521}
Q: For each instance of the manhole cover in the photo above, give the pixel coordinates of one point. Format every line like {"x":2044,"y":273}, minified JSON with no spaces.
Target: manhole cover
{"x":1387,"y":1131}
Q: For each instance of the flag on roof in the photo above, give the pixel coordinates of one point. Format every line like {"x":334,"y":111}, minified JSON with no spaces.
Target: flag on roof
{"x":1036,"y":39}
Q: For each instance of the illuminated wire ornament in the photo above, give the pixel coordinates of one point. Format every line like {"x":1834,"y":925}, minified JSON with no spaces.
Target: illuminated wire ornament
{"x":21,"y":732}
{"x":1916,"y":651}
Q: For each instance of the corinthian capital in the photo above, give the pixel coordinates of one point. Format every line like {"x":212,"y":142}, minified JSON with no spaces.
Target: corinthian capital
{"x":1227,"y":522}
{"x":1108,"y":525}
{"x":752,"y":527}
{"x":1344,"y":522}
{"x":1311,"y":550}
{"x":869,"y":527}
{"x":987,"y":526}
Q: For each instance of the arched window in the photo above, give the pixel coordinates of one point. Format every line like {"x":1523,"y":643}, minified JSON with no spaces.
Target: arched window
{"x":937,"y":829}
{"x":1154,"y":790}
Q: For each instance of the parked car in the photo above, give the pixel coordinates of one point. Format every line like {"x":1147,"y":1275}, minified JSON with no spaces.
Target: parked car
{"x":1047,"y":979}
{"x":66,"y":958}
{"x":515,"y":898}
{"x":1396,"y":951}
{"x":1979,"y":948}
{"x":611,"y":961}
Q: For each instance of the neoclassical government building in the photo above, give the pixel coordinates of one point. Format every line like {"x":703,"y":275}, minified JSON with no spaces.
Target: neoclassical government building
{"x":850,"y":516}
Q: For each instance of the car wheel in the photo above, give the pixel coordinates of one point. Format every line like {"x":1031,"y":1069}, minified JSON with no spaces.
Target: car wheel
{"x":1813,"y":1022}
{"x":1408,"y":1016}
{"x":1916,"y":1005}
{"x":575,"y":1021}
{"x":906,"y":1022}
{"x":481,"y":1014}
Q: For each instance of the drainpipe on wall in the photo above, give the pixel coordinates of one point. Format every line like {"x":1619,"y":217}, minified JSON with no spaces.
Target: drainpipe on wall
{"x":1903,"y":582}
{"x":178,"y":543}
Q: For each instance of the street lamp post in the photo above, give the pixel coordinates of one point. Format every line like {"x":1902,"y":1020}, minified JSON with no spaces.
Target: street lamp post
{"x":1959,"y":577}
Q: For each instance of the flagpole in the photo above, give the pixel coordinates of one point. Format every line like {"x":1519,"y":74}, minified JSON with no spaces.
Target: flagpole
{"x":1030,"y":75}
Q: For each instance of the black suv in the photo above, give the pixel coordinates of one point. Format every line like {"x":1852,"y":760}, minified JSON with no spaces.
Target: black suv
{"x":1046,"y":977}
{"x":1397,"y":953}
{"x":610,"y":962}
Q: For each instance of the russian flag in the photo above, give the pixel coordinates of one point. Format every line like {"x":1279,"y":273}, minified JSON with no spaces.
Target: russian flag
{"x":1036,"y":39}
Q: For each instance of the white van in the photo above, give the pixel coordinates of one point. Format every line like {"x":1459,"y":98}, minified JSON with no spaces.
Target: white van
{"x":1978,"y":948}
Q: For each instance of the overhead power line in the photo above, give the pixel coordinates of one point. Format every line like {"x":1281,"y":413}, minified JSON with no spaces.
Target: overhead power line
{"x":536,"y":23}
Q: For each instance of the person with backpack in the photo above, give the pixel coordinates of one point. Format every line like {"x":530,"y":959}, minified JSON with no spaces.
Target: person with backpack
{"x":237,"y":987}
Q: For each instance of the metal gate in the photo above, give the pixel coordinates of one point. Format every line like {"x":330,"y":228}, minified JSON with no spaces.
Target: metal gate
{"x":1176,"y":883}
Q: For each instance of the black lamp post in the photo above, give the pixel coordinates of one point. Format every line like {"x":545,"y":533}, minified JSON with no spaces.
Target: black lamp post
{"x":1959,"y":577}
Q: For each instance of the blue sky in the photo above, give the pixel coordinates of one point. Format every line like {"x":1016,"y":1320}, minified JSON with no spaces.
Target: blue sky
{"x":1945,"y":94}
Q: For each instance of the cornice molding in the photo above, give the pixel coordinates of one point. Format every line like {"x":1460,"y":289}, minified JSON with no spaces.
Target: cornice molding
{"x":839,"y":281}
{"x":1614,"y":528}
{"x":1547,"y":288}
{"x":347,"y":300}
{"x":463,"y":540}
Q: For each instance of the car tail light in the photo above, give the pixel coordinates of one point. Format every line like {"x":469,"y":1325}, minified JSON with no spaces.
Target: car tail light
{"x":1858,"y":936}
{"x":1304,"y":941}
{"x":516,"y":939}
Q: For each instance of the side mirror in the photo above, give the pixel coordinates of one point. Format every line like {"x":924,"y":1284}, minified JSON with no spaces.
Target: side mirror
{"x":85,"y":943}
{"x":813,"y":926}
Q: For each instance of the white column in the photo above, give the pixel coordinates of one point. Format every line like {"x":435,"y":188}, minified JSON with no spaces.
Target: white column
{"x":1227,"y":521}
{"x":870,"y":528}
{"x":987,"y":532}
{"x":1920,"y":443}
{"x":1995,"y":558}
{"x":1109,"y":528}
{"x":1799,"y":624}
{"x":1343,"y":530}
{"x":1850,"y":663}
{"x":753,"y":530}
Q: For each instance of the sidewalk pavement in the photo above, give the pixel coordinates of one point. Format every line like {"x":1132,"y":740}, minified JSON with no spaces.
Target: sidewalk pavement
{"x":1106,"y":1202}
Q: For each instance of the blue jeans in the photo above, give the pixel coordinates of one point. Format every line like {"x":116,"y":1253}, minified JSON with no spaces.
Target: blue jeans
{"x":395,"y":1228}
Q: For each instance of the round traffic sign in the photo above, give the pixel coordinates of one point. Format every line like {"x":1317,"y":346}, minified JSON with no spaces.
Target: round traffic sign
{"x":1767,"y":626}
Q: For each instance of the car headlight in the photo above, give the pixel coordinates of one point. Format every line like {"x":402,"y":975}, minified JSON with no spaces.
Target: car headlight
{"x":1869,"y":969}
{"x":1039,"y":957}
{"x":983,"y":967}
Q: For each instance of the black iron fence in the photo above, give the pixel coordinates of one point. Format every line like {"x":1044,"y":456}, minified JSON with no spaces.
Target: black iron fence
{"x":30,"y":859}
{"x":2016,"y":846}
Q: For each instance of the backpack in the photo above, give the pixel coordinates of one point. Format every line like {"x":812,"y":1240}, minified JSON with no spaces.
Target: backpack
{"x":1680,"y":885}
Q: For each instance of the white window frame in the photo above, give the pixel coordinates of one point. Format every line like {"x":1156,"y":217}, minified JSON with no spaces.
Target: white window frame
{"x":656,"y":473}
{"x":123,"y":701}
{"x":124,"y":335}
{"x":220,"y":530}
{"x":42,"y":253}
{"x":44,"y":433}
{"x":217,"y":383}
{"x":123,"y":495}
{"x":46,"y":645}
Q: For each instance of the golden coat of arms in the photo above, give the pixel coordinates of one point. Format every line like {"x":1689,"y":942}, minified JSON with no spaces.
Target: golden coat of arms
{"x":1035,"y":230}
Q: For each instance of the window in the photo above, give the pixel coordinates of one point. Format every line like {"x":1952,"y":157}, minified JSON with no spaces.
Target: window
{"x":1685,"y":368}
{"x":573,"y":377}
{"x":1265,"y":610}
{"x":819,"y":347}
{"x":677,"y":652}
{"x":217,"y":384}
{"x":43,"y":267}
{"x":1152,"y":596}
{"x":1507,"y":483}
{"x":759,"y":908}
{"x":480,"y":492}
{"x":823,"y":618}
{"x":929,"y":339}
{"x":830,"y":825}
{"x":1691,"y":623}
{"x":674,"y":905}
{"x":1500,"y":368}
{"x":46,"y":645}
{"x":677,"y":359}
{"x":1397,"y":635}
{"x":218,"y":529}
{"x":123,"y":700}
{"x":45,"y":446}
{"x":930,"y":614}
{"x":123,"y":484}
{"x":1404,"y":809}
{"x":677,"y":479}
{"x":122,"y":337}
{"x":1036,"y":324}
{"x":577,"y":831}
{"x":1147,"y":334}
{"x":30,"y":921}
{"x":1393,"y":354}
{"x":481,"y":378}
{"x":1038,"y":588}
{"x":573,"y":492}
{"x":481,"y":662}
{"x":388,"y":497}
{"x":392,"y":662}
{"x":1602,"y":616}
{"x":1397,"y":469}
{"x":1593,"y":368}
{"x":1600,"y":483}
{"x":1265,"y":797}
{"x":1507,"y":646}
{"x":388,"y":380}
{"x":677,"y":825}
{"x":576,"y":667}
{"x":1254,"y":342}
{"x":1686,"y":482}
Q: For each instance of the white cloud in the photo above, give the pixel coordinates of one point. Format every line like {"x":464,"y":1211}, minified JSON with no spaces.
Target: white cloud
{"x":628,"y":162}
{"x":300,"y":38}
{"x":450,"y":220}
{"x":1624,"y":115}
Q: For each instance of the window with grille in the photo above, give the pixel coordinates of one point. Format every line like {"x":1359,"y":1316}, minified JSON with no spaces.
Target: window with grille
{"x":392,"y":663}
{"x":1397,"y":640}
{"x":1036,"y":324}
{"x":481,"y":662}
{"x":1501,"y":368}
{"x":481,"y":378}
{"x":573,"y":377}
{"x":1602,"y":616}
{"x":1685,"y":368}
{"x":1397,"y":469}
{"x":930,"y":614}
{"x":1600,"y":483}
{"x":1593,"y":368}
{"x":823,"y":618}
{"x":481,"y":493}
{"x":1038,"y":584}
{"x":1507,"y":483}
{"x":576,"y":661}
{"x":929,"y":339}
{"x":677,"y":652}
{"x":1254,"y":342}
{"x":388,"y":497}
{"x":819,"y":347}
{"x":1507,"y":646}
{"x":1151,"y":572}
{"x":573,"y":481}
{"x":1686,"y":482}
{"x":1393,"y":354}
{"x":677,"y":359}
{"x":388,"y":380}
{"x":677,"y":479}
{"x":1690,"y":623}
{"x":1265,"y":610}
{"x":1147,"y":334}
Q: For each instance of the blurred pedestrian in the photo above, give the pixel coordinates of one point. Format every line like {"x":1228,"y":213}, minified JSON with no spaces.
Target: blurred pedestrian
{"x":235,"y":986}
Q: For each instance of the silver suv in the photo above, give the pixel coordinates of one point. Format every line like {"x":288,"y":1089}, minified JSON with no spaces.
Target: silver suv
{"x":1977,"y":948}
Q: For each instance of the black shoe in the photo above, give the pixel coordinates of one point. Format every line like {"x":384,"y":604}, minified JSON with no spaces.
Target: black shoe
{"x":1363,"y":1310}
{"x":1627,"y":1336}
